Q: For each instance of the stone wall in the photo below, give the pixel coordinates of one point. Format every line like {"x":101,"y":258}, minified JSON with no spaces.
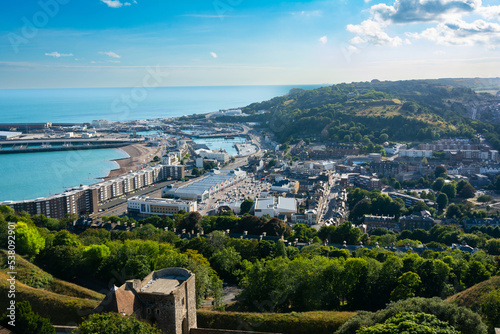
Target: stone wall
{"x":221,"y":331}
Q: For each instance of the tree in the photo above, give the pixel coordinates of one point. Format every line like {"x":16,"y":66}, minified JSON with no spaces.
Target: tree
{"x":440,"y":171}
{"x":408,"y":285}
{"x":114,"y":323}
{"x":28,"y":240}
{"x":246,"y":206}
{"x":450,"y":189}
{"x":490,"y":309}
{"x":438,"y":184}
{"x":467,"y":191}
{"x":226,"y":262}
{"x":191,"y":222}
{"x":361,"y":208}
{"x":476,"y":272}
{"x":407,"y":322}
{"x":196,"y":172}
{"x":442,"y":201}
{"x":461,"y":318}
{"x":27,"y":321}
{"x":493,"y":246}
{"x":453,"y":211}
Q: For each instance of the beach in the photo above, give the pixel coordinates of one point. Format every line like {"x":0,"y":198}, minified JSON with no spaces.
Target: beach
{"x":139,"y":154}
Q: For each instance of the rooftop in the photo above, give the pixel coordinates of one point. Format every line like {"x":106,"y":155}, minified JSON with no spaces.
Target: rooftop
{"x":163,"y":284}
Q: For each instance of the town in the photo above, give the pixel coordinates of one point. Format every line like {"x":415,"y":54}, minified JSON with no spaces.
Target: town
{"x":176,"y":172}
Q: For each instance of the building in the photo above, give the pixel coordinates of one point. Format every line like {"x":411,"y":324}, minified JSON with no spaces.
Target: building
{"x":145,"y":206}
{"x":412,"y":223}
{"x":411,"y":200}
{"x":80,"y":201}
{"x":374,"y":222}
{"x":165,"y":297}
{"x":282,"y":185}
{"x":411,"y":153}
{"x":6,"y":135}
{"x":100,"y":123}
{"x":367,"y":182}
{"x":274,"y":207}
{"x":84,"y":200}
{"x":202,"y":189}
{"x":222,"y":157}
{"x":309,"y":217}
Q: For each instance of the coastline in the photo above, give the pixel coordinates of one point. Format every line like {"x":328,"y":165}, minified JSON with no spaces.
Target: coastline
{"x":139,"y":154}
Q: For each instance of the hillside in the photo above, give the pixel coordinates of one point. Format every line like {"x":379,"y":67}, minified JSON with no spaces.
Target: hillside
{"x":473,"y":296}
{"x":62,"y":302}
{"x":319,"y":322}
{"x":415,"y":110}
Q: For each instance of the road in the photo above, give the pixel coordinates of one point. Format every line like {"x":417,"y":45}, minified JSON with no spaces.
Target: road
{"x":118,"y":206}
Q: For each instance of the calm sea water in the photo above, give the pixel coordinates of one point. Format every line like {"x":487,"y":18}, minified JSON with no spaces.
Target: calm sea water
{"x":32,"y":175}
{"x":120,"y":104}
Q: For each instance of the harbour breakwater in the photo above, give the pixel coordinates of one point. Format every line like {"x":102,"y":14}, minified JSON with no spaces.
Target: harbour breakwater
{"x":30,"y":146}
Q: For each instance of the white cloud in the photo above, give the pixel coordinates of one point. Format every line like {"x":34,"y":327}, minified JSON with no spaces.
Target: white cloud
{"x":109,"y":54}
{"x":308,"y":13}
{"x":490,"y":12}
{"x":323,"y":40}
{"x":213,"y":54}
{"x":372,"y":31}
{"x":413,"y":11}
{"x":447,"y":16}
{"x":56,"y":54}
{"x":117,"y":3}
{"x":462,"y":33}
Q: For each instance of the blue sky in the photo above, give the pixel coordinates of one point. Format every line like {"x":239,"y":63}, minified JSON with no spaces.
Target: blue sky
{"x":117,"y":43}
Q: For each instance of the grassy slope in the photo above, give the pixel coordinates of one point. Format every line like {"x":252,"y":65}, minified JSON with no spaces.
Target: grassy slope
{"x":473,"y":296}
{"x":62,"y":302}
{"x":318,"y":322}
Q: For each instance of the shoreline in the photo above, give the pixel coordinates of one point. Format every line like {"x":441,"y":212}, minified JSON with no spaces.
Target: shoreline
{"x":138,"y":155}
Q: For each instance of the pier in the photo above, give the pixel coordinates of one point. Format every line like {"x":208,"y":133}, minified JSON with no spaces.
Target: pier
{"x":61,"y":144}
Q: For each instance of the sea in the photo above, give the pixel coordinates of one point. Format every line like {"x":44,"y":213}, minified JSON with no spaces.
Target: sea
{"x":32,"y":175}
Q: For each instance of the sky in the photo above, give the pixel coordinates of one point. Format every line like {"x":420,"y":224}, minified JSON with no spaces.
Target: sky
{"x":128,"y":43}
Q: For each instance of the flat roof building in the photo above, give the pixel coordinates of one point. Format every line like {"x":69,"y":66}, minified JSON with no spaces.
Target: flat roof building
{"x":145,"y":206}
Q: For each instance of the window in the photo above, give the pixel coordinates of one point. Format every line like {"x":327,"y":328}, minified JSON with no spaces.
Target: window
{"x":157,"y":311}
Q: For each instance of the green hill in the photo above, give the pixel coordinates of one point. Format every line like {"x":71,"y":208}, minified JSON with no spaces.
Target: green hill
{"x":415,"y":110}
{"x":62,"y":302}
{"x":473,"y":296}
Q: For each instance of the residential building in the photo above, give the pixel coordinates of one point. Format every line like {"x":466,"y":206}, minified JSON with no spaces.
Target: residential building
{"x":412,"y":223}
{"x":374,"y":222}
{"x":309,"y":217}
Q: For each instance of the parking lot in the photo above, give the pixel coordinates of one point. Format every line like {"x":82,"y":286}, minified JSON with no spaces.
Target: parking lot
{"x":238,"y":192}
